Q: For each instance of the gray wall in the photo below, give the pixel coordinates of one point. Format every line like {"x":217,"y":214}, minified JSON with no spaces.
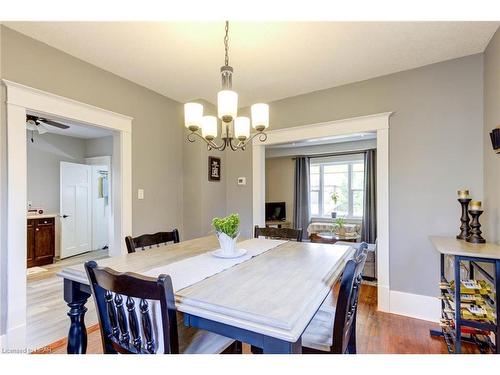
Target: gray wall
{"x":491,"y":218}
{"x":156,"y":129}
{"x":102,"y":146}
{"x":436,"y":146}
{"x":203,"y":199}
{"x":44,"y":157}
{"x":239,"y":197}
{"x":280,"y":184}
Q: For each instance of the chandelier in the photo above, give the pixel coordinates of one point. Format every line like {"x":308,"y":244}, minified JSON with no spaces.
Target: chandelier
{"x":235,"y":131}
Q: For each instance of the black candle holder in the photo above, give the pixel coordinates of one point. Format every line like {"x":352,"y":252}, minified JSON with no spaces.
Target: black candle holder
{"x":464,"y":227}
{"x":475,"y":232}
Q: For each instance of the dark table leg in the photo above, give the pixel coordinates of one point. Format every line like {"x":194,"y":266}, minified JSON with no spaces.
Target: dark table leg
{"x":76,"y":295}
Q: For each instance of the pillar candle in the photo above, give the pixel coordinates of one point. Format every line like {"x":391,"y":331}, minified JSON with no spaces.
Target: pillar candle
{"x":475,"y":206}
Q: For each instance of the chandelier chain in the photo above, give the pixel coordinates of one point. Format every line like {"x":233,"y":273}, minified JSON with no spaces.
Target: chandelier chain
{"x":226,"y":44}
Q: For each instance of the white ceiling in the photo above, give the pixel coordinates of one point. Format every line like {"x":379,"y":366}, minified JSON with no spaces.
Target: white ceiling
{"x":76,"y":130}
{"x":271,"y":60}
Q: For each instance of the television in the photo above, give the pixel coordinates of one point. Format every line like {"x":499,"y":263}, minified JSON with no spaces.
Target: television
{"x":275,"y":211}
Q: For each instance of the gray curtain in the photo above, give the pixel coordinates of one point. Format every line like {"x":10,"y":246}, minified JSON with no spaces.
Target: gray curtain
{"x":369,"y":229}
{"x":301,"y":194}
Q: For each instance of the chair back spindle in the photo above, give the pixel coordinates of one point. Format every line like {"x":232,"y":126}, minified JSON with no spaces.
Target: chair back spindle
{"x":134,"y":324}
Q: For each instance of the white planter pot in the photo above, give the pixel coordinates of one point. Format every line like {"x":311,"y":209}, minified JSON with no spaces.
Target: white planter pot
{"x":227,"y":244}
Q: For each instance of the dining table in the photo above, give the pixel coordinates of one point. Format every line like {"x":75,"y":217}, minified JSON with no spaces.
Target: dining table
{"x":266,"y":298}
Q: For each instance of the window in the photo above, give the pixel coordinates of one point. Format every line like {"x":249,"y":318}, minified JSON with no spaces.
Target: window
{"x":343,"y":175}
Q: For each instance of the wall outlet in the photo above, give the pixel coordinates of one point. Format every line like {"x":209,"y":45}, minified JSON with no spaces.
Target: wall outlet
{"x":242,"y":181}
{"x":140,"y":194}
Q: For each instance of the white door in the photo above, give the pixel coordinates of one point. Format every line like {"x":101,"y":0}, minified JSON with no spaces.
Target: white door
{"x":76,"y":208}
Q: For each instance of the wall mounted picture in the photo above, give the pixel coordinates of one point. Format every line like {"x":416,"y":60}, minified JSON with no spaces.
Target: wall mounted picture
{"x":214,"y":168}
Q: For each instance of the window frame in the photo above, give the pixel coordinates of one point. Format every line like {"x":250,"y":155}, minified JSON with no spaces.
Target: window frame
{"x":350,"y":160}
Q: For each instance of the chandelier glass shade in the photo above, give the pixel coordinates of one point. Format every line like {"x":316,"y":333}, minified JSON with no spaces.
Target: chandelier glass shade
{"x":235,"y":131}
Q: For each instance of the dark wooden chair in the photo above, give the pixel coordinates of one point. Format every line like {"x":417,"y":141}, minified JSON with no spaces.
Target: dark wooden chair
{"x":130,"y":324}
{"x":320,"y":337}
{"x":149,"y":240}
{"x":279,"y":233}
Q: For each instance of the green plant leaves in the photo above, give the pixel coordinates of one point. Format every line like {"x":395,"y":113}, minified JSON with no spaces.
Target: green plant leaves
{"x":228,"y":225}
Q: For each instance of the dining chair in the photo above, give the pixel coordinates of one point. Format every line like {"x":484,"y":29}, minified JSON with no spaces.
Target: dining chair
{"x":334,"y":330}
{"x":149,"y":240}
{"x":137,"y":316}
{"x":279,"y":233}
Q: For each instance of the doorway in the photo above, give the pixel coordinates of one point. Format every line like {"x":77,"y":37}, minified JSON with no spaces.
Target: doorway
{"x":21,"y":100}
{"x":378,"y":123}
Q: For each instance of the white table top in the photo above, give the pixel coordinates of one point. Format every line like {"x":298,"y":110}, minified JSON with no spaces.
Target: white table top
{"x":453,"y":246}
{"x":276,"y":293}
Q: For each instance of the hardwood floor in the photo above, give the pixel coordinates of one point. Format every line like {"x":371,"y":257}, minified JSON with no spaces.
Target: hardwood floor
{"x":378,"y":333}
{"x":46,"y":309}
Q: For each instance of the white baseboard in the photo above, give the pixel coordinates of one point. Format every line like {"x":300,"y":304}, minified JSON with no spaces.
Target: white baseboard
{"x":415,"y":306}
{"x":383,"y":298}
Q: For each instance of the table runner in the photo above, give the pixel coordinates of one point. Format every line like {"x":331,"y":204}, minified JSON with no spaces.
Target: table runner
{"x":189,"y":271}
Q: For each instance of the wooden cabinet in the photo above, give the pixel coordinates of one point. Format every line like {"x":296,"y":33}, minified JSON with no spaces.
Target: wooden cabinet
{"x":31,"y":243}
{"x":41,"y":242}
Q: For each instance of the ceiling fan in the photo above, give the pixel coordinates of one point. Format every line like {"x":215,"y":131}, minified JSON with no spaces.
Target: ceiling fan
{"x":39,"y":124}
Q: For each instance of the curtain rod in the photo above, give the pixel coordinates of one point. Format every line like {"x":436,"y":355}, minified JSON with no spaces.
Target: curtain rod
{"x":340,"y":153}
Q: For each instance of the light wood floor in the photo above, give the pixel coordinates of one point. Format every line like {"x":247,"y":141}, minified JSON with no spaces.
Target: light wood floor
{"x":46,"y":310}
{"x":378,"y":333}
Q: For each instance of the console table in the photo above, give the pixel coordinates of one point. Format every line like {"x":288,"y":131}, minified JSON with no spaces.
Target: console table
{"x":473,"y":254}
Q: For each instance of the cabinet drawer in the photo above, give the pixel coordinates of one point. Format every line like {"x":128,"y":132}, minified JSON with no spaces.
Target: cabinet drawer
{"x":45,"y":222}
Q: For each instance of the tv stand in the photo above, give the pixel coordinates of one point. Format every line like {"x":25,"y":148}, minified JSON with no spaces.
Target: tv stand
{"x":278,"y":224}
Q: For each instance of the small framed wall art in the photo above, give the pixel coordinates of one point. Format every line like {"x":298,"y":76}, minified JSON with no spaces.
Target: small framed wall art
{"x":214,"y":168}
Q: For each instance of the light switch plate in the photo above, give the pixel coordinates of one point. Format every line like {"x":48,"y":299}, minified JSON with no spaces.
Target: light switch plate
{"x":140,"y":194}
{"x":242,"y":181}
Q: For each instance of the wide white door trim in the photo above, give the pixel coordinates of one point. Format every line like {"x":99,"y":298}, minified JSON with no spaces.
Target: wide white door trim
{"x":20,"y":99}
{"x":378,"y":123}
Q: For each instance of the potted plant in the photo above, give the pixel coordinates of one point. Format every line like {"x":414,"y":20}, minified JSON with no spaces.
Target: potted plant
{"x":335,"y":197}
{"x":340,"y":226}
{"x":227,"y":231}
